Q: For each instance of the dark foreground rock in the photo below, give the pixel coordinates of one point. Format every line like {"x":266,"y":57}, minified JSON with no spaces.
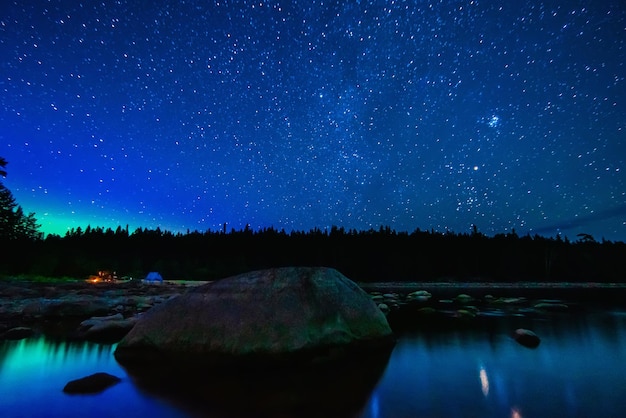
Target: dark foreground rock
{"x":296,"y":313}
{"x":279,"y":342}
{"x":94,"y":383}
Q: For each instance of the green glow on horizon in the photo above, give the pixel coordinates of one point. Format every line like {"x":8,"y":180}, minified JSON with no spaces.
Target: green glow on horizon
{"x":60,"y":225}
{"x":58,"y":219}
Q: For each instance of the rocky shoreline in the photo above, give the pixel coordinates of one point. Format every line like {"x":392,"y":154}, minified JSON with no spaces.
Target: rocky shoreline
{"x":426,"y":311}
{"x":107,"y":311}
{"x":78,"y":310}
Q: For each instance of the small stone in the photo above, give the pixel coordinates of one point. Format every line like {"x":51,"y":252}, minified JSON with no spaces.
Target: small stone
{"x":464,"y":313}
{"x":463,"y":298}
{"x":110,"y":331}
{"x":17,"y":333}
{"x":95,"y":320}
{"x":420,"y":293}
{"x":426,"y":311}
{"x":510,"y":301}
{"x":526,"y":337}
{"x":551,"y":307}
{"x":94,"y":383}
{"x":419,"y":296}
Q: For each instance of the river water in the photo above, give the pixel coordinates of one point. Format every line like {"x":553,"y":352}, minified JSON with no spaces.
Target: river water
{"x":578,"y":370}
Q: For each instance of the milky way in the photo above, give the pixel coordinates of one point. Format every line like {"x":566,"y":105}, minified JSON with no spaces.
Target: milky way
{"x":433,"y":115}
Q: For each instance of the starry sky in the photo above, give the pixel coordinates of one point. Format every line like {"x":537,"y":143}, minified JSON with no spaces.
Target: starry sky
{"x":438,"y":114}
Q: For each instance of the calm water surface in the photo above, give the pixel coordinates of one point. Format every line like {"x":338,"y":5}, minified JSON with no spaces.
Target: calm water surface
{"x":579,"y":370}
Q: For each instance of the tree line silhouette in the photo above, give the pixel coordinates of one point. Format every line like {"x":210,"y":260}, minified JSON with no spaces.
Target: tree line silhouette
{"x":382,"y":255}
{"x":14,"y":223}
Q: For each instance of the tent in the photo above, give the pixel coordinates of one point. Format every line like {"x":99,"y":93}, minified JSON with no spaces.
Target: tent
{"x":153,"y":277}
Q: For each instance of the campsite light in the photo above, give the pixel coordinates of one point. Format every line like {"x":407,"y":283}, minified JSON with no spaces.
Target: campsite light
{"x":103,"y":276}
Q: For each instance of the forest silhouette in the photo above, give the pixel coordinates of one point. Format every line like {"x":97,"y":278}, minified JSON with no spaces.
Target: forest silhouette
{"x":381,"y":255}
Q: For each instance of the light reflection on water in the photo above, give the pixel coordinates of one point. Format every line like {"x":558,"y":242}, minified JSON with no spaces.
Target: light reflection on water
{"x":579,"y":370}
{"x":484,"y":380}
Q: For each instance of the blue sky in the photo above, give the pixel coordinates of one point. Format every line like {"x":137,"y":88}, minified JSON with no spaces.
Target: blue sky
{"x":432,"y":115}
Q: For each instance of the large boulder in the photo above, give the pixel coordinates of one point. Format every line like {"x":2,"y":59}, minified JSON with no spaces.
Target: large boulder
{"x":291,"y":312}
{"x":288,"y":341}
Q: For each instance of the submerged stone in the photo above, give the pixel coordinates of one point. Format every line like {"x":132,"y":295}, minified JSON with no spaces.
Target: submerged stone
{"x":526,"y":337}
{"x":94,"y":383}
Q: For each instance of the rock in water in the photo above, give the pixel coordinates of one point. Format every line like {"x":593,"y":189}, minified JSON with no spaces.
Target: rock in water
{"x":310,"y":313}
{"x":17,"y":333}
{"x":526,"y":337}
{"x":94,"y":383}
{"x":288,"y":341}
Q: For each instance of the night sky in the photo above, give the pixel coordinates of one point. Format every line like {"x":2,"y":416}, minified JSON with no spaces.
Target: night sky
{"x":300,"y":114}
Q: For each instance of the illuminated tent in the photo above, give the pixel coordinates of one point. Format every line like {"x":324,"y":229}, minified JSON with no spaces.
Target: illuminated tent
{"x":154,"y":277}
